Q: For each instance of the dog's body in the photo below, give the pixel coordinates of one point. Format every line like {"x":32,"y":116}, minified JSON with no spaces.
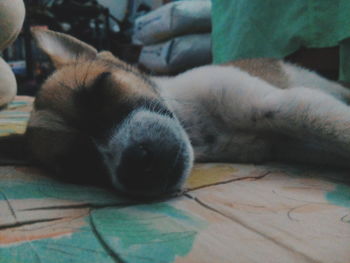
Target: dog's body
{"x":260,"y":110}
{"x":99,"y":115}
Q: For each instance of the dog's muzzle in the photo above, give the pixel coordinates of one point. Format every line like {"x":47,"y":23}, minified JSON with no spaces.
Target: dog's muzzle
{"x":154,"y":155}
{"x":150,"y":168}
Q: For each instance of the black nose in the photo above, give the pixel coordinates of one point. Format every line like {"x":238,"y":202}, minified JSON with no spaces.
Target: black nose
{"x":150,"y":169}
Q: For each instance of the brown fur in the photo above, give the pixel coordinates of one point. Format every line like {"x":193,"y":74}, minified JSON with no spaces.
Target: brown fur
{"x":268,"y":69}
{"x":72,"y":104}
{"x":57,"y":96}
{"x":57,"y":93}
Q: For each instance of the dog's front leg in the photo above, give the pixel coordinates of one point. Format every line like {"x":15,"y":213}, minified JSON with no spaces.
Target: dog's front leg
{"x":308,"y":115}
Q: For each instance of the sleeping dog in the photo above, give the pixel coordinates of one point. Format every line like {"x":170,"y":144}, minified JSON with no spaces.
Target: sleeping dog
{"x":97,"y":119}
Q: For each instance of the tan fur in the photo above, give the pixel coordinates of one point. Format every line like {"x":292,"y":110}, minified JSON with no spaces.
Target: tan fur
{"x":55,"y":109}
{"x":268,"y":69}
{"x":56,"y":98}
{"x":106,"y":55}
{"x":57,"y":93}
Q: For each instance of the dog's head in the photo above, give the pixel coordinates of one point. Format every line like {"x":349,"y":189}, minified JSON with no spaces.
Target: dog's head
{"x":97,"y":118}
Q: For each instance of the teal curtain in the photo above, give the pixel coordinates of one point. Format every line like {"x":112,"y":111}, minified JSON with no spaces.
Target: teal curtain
{"x":277,"y":28}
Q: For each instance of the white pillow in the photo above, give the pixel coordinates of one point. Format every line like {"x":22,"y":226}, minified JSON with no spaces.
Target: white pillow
{"x":8,"y":84}
{"x":171,"y":20}
{"x":177,"y":54}
{"x":12,"y":14}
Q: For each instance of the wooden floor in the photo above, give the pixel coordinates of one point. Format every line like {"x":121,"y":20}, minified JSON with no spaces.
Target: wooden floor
{"x":228,"y":213}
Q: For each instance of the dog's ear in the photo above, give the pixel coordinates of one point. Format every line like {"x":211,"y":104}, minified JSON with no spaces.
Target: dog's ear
{"x":61,"y":48}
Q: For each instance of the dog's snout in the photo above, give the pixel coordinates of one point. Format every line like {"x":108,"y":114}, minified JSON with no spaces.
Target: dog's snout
{"x":150,"y":168}
{"x":141,"y":156}
{"x":151,"y":155}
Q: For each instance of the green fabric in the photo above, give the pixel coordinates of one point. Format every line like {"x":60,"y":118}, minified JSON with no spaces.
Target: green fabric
{"x":277,"y":28}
